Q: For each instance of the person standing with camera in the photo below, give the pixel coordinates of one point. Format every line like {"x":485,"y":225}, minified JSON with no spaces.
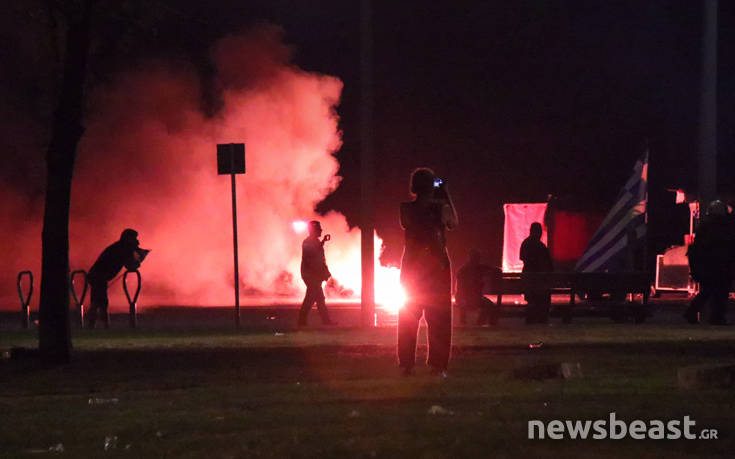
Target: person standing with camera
{"x":426,"y":271}
{"x":125,"y":252}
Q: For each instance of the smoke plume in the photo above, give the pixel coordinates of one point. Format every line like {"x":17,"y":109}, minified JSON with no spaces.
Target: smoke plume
{"x":148,"y":161}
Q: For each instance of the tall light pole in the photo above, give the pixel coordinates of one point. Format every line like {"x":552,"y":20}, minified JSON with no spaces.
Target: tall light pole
{"x":367,"y":170}
{"x":707,"y":183}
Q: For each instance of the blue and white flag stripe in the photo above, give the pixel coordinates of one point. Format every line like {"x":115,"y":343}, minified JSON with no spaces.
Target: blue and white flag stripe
{"x":623,"y":225}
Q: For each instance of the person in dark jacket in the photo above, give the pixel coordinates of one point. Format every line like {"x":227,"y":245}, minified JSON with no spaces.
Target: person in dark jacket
{"x":314,"y":272}
{"x":536,"y":258}
{"x":124,"y":252}
{"x":470,"y":284}
{"x":711,"y":260}
{"x":426,"y":272}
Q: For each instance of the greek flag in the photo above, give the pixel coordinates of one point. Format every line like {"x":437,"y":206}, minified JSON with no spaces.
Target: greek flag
{"x":625,"y":224}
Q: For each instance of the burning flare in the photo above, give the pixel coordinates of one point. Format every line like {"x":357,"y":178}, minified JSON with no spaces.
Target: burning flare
{"x":344,"y":260}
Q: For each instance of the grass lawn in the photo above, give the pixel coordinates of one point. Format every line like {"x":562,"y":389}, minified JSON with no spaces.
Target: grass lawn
{"x":338,"y":393}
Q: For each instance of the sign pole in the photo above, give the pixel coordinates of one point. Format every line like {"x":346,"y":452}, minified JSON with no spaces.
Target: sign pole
{"x":231,"y":161}
{"x":234,"y":242}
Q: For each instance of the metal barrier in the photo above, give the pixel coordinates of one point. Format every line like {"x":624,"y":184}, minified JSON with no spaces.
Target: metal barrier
{"x":25,"y":301}
{"x":79,"y":300}
{"x":132,"y":301}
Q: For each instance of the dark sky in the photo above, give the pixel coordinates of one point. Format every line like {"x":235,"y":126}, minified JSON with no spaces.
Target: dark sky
{"x":509,"y":101}
{"x":512,"y":101}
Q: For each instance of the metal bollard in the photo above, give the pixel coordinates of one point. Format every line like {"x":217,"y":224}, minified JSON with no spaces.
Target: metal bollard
{"x":25,"y":301}
{"x":79,"y":300}
{"x":134,"y":300}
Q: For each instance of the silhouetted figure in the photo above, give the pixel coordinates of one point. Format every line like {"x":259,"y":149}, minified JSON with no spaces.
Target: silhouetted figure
{"x":536,"y":258}
{"x":470,"y":283}
{"x":314,"y":271}
{"x":426,"y":272}
{"x":711,"y":259}
{"x":124,"y":252}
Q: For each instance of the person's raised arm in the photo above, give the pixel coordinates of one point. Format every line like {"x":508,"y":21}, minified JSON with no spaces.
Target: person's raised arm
{"x":449,"y":213}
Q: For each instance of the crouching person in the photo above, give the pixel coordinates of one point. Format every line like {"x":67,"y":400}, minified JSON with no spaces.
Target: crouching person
{"x":125,"y":252}
{"x":470,"y":285}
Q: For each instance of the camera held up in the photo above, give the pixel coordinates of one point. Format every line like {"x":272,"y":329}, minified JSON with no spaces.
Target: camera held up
{"x":439,"y":188}
{"x":140,"y":254}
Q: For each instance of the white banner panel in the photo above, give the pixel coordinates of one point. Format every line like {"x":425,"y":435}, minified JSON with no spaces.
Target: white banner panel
{"x":518,"y":219}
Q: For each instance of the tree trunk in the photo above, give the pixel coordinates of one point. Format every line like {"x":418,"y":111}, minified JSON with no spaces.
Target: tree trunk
{"x":54,"y":331}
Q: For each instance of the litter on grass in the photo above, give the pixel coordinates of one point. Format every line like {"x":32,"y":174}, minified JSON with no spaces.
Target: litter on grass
{"x":103,"y":401}
{"x":436,"y":409}
{"x":110,"y":442}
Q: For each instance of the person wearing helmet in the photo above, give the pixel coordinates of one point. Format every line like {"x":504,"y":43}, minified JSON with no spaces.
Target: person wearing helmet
{"x":125,"y":252}
{"x":711,"y":259}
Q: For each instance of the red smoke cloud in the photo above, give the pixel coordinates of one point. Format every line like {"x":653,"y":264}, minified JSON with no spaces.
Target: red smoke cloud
{"x":147,"y":161}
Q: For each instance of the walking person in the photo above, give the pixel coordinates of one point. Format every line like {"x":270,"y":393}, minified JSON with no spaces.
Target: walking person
{"x":426,"y":271}
{"x":314,"y":272}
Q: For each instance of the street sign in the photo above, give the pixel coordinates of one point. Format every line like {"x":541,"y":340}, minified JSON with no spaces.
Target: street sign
{"x":230,"y":158}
